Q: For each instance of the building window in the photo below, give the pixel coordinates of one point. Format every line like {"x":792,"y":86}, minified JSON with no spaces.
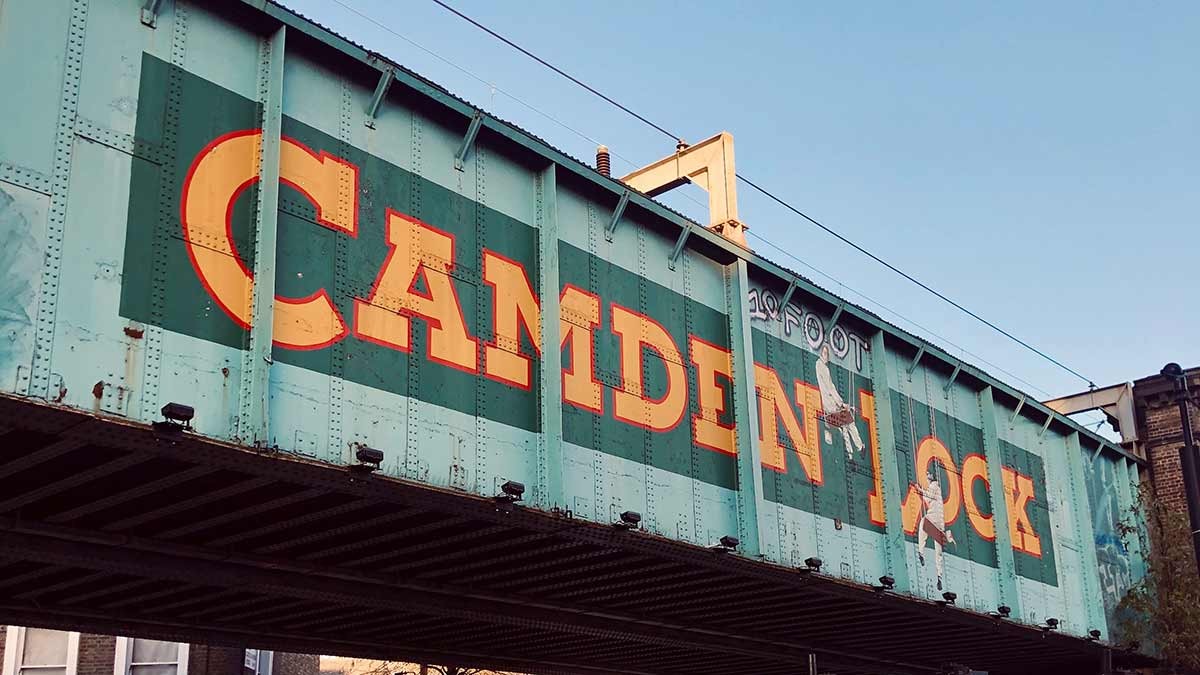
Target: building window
{"x":40,"y":651}
{"x":258,"y":662}
{"x":136,"y":656}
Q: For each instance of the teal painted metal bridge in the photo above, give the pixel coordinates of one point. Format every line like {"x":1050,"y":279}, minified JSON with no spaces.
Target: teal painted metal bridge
{"x":387,"y":314}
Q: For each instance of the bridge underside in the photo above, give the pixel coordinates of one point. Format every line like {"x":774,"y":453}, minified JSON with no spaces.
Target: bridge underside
{"x":110,"y":526}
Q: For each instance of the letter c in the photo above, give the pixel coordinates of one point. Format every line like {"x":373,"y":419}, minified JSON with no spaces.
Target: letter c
{"x":219,"y":174}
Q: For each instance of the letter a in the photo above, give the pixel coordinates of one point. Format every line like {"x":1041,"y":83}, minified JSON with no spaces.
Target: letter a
{"x":417,"y":251}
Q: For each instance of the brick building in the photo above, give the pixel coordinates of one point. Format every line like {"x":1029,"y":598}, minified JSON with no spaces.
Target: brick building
{"x":40,"y":651}
{"x":1160,"y":433}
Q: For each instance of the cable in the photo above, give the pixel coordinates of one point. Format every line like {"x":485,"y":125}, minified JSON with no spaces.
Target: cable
{"x":913,"y":279}
{"x":770,"y":195}
{"x":549,"y":65}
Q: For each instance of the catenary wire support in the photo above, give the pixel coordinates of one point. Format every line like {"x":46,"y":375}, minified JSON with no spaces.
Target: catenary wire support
{"x":679,"y":244}
{"x":468,"y":140}
{"x":616,"y":216}
{"x":387,"y":75}
{"x":916,"y":359}
{"x":787,"y":297}
{"x":149,"y":14}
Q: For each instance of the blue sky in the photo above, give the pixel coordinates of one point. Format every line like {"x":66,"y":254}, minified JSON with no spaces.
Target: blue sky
{"x":1038,"y":162}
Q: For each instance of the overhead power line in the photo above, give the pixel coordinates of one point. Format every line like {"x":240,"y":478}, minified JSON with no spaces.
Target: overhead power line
{"x":764,"y":191}
{"x":551,"y":66}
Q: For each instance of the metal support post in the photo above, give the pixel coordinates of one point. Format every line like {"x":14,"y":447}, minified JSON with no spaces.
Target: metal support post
{"x":550,"y":484}
{"x":889,"y":467}
{"x":1187,"y":453}
{"x":995,"y":463}
{"x":1087,"y":536}
{"x":745,"y":409}
{"x":253,"y":425}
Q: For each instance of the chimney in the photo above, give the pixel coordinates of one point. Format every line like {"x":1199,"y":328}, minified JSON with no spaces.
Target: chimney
{"x":603,"y":163}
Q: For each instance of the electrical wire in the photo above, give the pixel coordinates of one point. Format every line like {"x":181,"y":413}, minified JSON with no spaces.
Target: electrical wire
{"x":551,"y":66}
{"x":770,"y":195}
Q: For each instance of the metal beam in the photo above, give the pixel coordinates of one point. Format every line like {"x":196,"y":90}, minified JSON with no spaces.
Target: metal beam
{"x":679,"y":244}
{"x":550,"y":491}
{"x":149,"y":13}
{"x":468,"y":141}
{"x":285,"y":581}
{"x":387,"y":75}
{"x":1004,"y":552}
{"x":837,"y":314}
{"x":916,"y":359}
{"x":1045,"y":425}
{"x":787,"y":297}
{"x":1129,"y":498}
{"x":616,"y":216}
{"x":889,"y":466}
{"x":745,"y":409}
{"x":1086,"y":535}
{"x":1020,"y":404}
{"x":953,"y":377}
{"x":253,"y":423}
{"x":707,"y":164}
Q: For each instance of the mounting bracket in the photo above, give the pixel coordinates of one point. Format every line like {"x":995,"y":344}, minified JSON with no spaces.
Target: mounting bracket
{"x":468,"y":140}
{"x":616,"y":216}
{"x":386,"y":75}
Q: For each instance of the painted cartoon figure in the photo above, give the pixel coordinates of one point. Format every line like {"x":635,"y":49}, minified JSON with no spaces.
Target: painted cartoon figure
{"x":932,"y":524}
{"x":838,"y":414}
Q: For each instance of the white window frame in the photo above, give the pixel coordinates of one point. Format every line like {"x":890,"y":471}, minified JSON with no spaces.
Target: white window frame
{"x":264,"y":664}
{"x":124,"y":657}
{"x":14,"y":649}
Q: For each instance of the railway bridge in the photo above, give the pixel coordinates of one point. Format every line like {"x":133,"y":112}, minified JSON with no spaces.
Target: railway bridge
{"x":302,"y":352}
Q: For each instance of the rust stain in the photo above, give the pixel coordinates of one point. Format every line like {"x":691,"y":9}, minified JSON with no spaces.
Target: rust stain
{"x":62,"y":393}
{"x":135,"y":333}
{"x":98,"y":390}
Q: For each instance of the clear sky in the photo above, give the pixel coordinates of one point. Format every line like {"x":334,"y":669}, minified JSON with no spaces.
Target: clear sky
{"x":1038,"y":162}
